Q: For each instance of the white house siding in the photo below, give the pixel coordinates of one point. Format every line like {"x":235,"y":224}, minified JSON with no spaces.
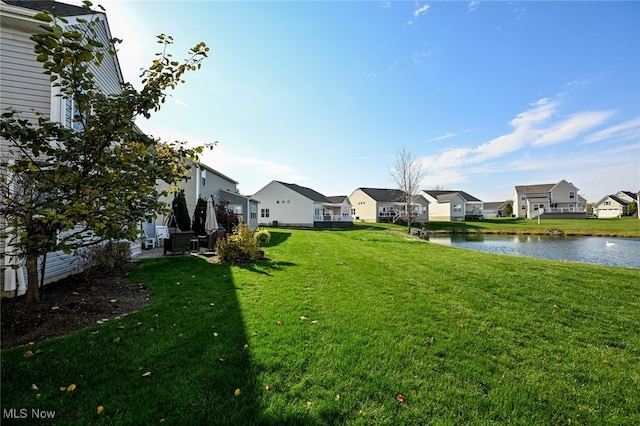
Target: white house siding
{"x":363,"y":206}
{"x":286,"y":207}
{"x":445,"y":211}
{"x":23,"y":86}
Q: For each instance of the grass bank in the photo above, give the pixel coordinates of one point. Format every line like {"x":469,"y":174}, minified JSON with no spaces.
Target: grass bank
{"x":359,"y":326}
{"x":619,"y":227}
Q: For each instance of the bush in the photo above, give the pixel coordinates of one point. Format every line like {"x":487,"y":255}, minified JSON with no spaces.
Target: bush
{"x":102,"y":259}
{"x":243,"y":245}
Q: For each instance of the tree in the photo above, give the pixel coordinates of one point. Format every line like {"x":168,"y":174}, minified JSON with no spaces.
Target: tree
{"x":508,"y":209}
{"x":199,"y":217}
{"x":63,"y":189}
{"x":180,"y":218}
{"x":408,"y":172}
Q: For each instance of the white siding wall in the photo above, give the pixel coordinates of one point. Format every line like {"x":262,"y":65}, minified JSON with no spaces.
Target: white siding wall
{"x":285,"y":206}
{"x":364,"y":206}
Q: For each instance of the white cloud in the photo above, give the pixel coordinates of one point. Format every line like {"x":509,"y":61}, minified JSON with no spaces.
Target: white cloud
{"x":629,"y":130}
{"x":535,"y":128}
{"x":473,"y":5}
{"x":417,"y":57}
{"x":421,"y":10}
{"x":572,"y":127}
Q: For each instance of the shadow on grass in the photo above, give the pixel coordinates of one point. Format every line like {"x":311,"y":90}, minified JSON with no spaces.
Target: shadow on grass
{"x":183,"y":359}
{"x":265,"y":268}
{"x":209,"y":373}
{"x":277,"y":237}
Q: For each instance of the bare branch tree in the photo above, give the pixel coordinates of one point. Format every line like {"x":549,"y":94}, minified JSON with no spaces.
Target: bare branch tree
{"x":408,"y":172}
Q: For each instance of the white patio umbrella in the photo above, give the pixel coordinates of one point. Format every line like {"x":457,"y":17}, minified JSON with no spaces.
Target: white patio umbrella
{"x":211,"y":222}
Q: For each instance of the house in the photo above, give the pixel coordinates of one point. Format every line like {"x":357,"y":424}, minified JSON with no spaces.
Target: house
{"x":288,"y":204}
{"x":554,"y":200}
{"x":28,"y":90}
{"x":203,"y":182}
{"x":453,"y":205}
{"x":385,"y":205}
{"x":493,"y":209}
{"x":615,"y":205}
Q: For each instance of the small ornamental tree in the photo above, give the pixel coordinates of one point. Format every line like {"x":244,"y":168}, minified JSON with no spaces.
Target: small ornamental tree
{"x":508,"y":209}
{"x":199,"y":217}
{"x":407,"y":172}
{"x":180,"y":218}
{"x":226,"y":217}
{"x":63,"y":188}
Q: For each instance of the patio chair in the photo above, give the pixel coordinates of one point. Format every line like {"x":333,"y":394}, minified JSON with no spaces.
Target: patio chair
{"x":178,"y":242}
{"x":162,"y":232}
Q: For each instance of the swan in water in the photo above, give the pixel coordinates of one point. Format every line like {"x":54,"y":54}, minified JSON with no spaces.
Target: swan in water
{"x":608,"y":244}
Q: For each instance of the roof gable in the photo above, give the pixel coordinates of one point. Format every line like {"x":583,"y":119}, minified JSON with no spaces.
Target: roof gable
{"x":56,"y":8}
{"x":384,"y":195}
{"x":306,"y":192}
{"x":445,"y":196}
{"x":535,"y":189}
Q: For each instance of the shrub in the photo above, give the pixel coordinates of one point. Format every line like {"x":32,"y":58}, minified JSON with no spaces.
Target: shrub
{"x":104,"y":258}
{"x":243,"y":245}
{"x":262,"y":236}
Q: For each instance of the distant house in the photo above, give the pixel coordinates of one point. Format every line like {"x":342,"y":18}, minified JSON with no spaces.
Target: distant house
{"x":614,"y":205}
{"x":385,"y":205}
{"x":288,"y":204}
{"x":557,"y":200}
{"x":453,"y":206}
{"x":24,"y":87}
{"x":204,"y":182}
{"x":493,"y":209}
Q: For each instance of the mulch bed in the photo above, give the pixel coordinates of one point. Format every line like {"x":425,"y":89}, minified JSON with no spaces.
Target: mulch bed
{"x":69,"y":305}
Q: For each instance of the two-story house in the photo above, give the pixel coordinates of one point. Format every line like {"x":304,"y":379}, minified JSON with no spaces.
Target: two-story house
{"x":557,"y":200}
{"x":204,"y":182}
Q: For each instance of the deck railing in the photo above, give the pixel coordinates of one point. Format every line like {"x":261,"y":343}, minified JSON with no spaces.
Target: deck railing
{"x":332,"y":218}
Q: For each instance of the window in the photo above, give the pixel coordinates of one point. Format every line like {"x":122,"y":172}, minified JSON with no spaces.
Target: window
{"x":254,"y":212}
{"x":607,"y":203}
{"x":264,"y":212}
{"x":203,"y":175}
{"x":235,"y":208}
{"x":457,"y":208}
{"x":523,"y":197}
{"x":70,"y":113}
{"x":572,"y":195}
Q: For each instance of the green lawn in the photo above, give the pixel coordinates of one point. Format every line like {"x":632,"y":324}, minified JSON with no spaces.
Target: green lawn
{"x":359,"y":326}
{"x":619,"y":227}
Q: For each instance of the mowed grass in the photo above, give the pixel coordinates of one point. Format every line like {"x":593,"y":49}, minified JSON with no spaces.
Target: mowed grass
{"x":616,"y":227}
{"x":359,"y":326}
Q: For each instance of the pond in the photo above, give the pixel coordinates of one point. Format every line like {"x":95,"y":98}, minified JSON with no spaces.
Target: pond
{"x":624,"y":252}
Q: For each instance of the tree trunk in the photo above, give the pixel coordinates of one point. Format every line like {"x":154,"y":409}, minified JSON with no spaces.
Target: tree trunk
{"x":33,"y":294}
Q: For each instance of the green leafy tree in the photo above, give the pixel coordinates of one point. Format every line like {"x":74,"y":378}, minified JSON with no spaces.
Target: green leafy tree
{"x":508,"y":209}
{"x":63,"y":189}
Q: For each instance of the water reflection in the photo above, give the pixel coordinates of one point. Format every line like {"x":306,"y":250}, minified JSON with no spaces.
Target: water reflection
{"x":623,"y":252}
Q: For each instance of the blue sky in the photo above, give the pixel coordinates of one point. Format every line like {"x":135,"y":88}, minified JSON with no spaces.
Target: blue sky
{"x":323,"y":94}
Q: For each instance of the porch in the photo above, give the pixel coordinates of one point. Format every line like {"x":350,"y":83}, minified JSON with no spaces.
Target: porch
{"x":332,"y":221}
